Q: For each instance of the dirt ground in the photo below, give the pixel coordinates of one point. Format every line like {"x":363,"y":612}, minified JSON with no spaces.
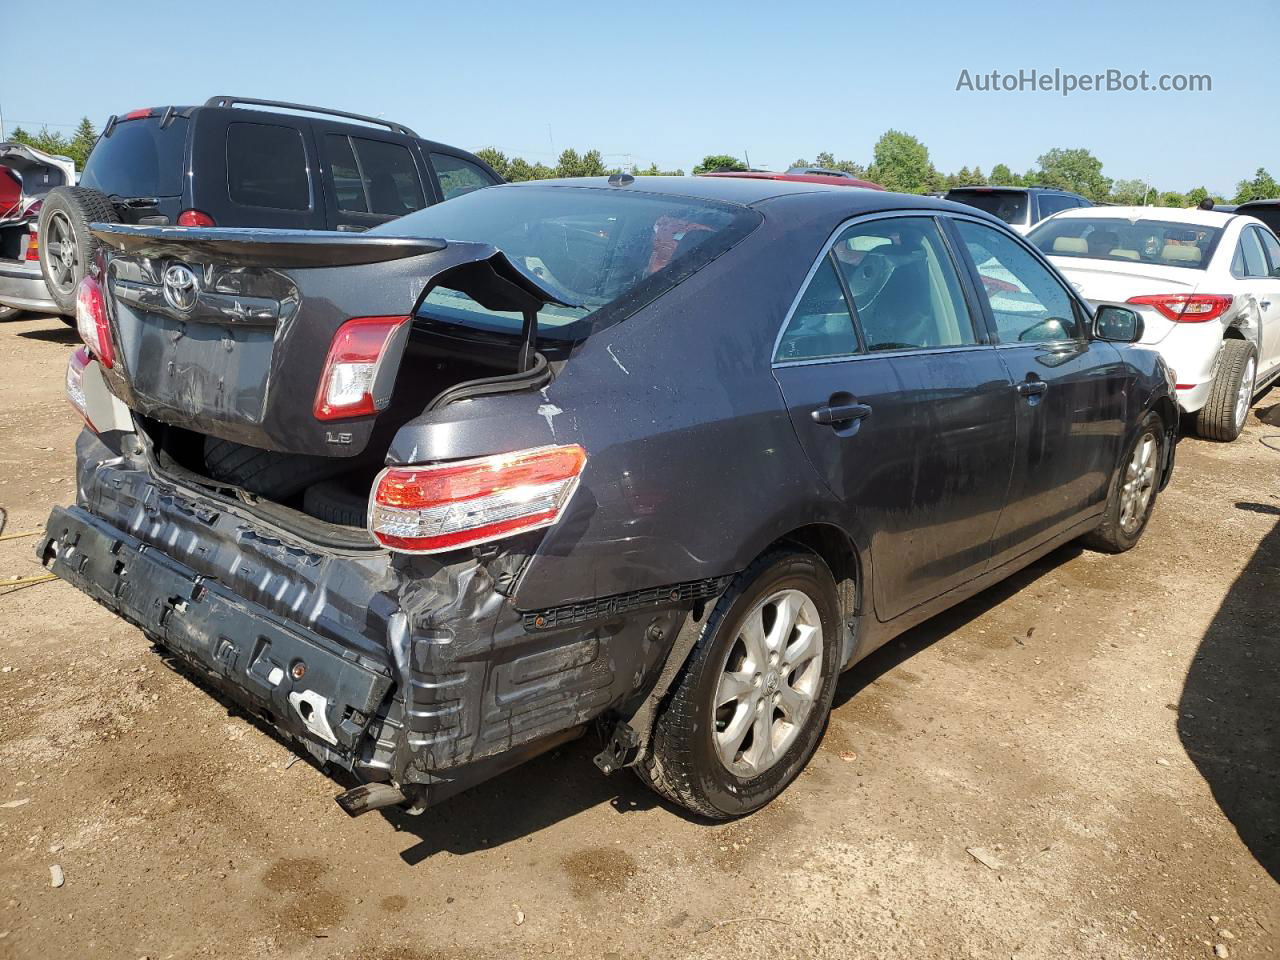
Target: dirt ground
{"x":1103,"y":733}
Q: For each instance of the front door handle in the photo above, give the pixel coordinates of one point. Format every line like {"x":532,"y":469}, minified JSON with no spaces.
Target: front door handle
{"x":838,"y":413}
{"x":1032,"y":388}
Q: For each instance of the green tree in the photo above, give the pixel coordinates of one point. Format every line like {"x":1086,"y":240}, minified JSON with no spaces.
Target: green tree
{"x":496,"y":159}
{"x":589,"y":164}
{"x":1002,"y":176}
{"x":714,"y":162}
{"x":901,"y":162}
{"x":521,"y":169}
{"x":1261,"y":187}
{"x":1171,"y":198}
{"x":1130,"y":193}
{"x":653,"y":171}
{"x":54,"y":143}
{"x":828,"y":160}
{"x":1077,"y":170}
{"x":1196,"y":196}
{"x":82,"y":142}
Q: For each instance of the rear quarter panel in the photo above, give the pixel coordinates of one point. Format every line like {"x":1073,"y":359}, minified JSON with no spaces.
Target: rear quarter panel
{"x":693,"y":465}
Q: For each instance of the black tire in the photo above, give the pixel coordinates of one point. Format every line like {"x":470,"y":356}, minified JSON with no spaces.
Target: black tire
{"x":683,"y":764}
{"x":69,"y":211}
{"x":267,"y":473}
{"x":8,"y":313}
{"x":1114,"y":535}
{"x":1217,"y":419}
{"x":334,"y":502}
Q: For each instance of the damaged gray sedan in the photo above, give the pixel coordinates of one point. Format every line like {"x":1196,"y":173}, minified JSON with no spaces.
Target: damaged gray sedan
{"x":658,"y":456}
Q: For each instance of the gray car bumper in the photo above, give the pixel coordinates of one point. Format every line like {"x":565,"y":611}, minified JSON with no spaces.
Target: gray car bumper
{"x":22,"y":286}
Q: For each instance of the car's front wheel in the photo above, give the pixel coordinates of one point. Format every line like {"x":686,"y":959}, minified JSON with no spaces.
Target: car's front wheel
{"x":749,"y":707}
{"x":1133,"y":491}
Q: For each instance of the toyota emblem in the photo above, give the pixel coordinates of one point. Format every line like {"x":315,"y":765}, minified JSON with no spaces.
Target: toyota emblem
{"x":180,"y":286}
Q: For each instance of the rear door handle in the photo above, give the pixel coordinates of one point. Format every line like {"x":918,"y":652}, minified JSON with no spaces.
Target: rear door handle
{"x":1032,"y":388}
{"x":836,"y":414}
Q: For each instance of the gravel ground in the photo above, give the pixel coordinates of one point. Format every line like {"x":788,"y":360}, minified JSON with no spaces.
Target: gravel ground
{"x":1080,"y":762}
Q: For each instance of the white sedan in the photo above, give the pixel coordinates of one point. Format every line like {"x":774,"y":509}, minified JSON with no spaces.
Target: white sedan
{"x":1207,"y":285}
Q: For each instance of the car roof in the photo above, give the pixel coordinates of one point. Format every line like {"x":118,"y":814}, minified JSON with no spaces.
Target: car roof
{"x":1194,"y":216}
{"x":1270,"y":202}
{"x":835,"y":179}
{"x":992,"y":188}
{"x":751,"y":191}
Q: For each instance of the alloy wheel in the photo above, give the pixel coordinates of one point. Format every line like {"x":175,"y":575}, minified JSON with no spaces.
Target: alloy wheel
{"x":1245,"y":396}
{"x":60,"y":249}
{"x":769,"y":683}
{"x":1139,"y":482}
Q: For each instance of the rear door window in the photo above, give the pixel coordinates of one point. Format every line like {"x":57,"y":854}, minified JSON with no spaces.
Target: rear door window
{"x":905,"y":289}
{"x":267,"y":166}
{"x":458,"y":176}
{"x":1249,"y":260}
{"x":1272,"y":248}
{"x":139,"y":159}
{"x":1027,"y":301}
{"x":821,"y":325}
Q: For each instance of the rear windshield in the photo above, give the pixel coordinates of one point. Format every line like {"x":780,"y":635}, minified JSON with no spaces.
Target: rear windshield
{"x":1009,"y":205}
{"x":1140,"y":241}
{"x":139,"y":159}
{"x":610,"y":250}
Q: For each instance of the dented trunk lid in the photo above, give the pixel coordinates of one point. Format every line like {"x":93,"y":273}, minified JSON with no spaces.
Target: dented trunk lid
{"x":226,"y":331}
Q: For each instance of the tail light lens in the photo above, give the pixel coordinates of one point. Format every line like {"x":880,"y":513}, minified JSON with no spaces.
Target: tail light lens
{"x":450,"y":505}
{"x":1187,"y":307}
{"x":33,"y":208}
{"x":76,"y":365}
{"x":33,"y":243}
{"x":347,"y":385}
{"x":91,"y":321}
{"x":195,"y":218}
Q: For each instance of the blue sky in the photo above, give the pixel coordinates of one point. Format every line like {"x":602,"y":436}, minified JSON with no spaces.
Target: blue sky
{"x":670,"y":82}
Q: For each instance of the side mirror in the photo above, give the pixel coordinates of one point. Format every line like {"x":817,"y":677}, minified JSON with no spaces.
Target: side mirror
{"x":1117,"y":324}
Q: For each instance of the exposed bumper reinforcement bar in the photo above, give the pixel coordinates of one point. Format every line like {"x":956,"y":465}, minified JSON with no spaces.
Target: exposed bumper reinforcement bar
{"x":306,"y":685}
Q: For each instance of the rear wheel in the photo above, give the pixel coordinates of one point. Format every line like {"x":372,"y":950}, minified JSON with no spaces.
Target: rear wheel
{"x":7,"y":313}
{"x":1224,"y":413}
{"x":66,"y":245}
{"x":1133,"y":492}
{"x":749,"y":707}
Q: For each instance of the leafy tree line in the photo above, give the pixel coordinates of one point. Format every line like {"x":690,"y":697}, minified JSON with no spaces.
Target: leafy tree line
{"x":899,"y":162}
{"x":77,"y":146}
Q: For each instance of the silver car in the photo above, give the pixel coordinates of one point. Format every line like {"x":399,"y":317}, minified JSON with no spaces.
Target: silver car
{"x":22,"y":285}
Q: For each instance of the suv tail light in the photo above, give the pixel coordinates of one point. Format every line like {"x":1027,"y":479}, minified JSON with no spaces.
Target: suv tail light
{"x":76,"y":365}
{"x":1186,"y":307}
{"x":91,"y":321}
{"x":450,"y":505}
{"x":350,"y":377}
{"x":195,"y":218}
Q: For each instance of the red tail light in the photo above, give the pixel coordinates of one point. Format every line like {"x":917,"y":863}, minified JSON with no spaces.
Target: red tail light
{"x":138,"y":114}
{"x":348,"y":384}
{"x":450,"y":505}
{"x":91,"y":321}
{"x":33,"y":208}
{"x":76,"y":364}
{"x":1187,"y":307}
{"x":33,"y":243}
{"x":195,"y":218}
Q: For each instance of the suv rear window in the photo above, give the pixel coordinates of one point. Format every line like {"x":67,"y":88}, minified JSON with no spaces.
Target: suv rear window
{"x":267,"y":166}
{"x":611,"y":251}
{"x":1162,"y":242}
{"x":139,"y":159}
{"x":1009,"y":205}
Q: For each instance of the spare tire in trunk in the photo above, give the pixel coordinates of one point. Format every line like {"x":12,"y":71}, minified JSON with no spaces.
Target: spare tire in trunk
{"x":267,"y":473}
{"x":66,"y":246}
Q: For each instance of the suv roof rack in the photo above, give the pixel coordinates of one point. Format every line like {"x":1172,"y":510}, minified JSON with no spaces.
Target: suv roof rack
{"x":377,"y":121}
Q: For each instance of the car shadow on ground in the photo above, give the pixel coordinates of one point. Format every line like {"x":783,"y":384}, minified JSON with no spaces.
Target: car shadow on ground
{"x":60,"y":333}
{"x":906,"y":646}
{"x":1229,"y":713}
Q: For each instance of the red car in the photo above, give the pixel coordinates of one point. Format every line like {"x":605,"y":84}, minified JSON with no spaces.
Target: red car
{"x":802,"y":175}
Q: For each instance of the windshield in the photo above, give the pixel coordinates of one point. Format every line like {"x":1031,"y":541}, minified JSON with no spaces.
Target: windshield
{"x":1009,"y":205}
{"x":139,"y":159}
{"x":1162,"y":242}
{"x":610,"y":249}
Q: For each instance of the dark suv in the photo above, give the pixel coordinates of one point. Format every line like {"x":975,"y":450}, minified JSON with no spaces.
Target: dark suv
{"x":241,"y":162}
{"x":1020,"y":207}
{"x":661,"y":454}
